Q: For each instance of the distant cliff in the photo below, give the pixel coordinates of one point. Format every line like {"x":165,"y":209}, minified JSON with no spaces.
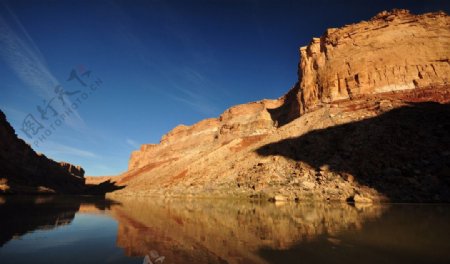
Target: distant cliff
{"x":22,"y":170}
{"x":368,"y":114}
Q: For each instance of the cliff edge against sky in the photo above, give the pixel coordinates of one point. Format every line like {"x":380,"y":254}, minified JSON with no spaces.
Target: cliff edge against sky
{"x":22,"y":170}
{"x":368,"y":120}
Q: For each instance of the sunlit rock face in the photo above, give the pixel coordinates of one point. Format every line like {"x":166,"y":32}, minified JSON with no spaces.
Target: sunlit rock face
{"x":214,"y":231}
{"x":393,"y":51}
{"x":351,"y":82}
{"x":73,"y":169}
{"x":239,"y":121}
{"x":22,"y":170}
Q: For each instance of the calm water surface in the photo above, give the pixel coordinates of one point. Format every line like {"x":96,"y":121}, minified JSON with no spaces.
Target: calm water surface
{"x":93,"y":230}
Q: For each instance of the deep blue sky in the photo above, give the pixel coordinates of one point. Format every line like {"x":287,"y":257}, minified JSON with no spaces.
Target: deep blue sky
{"x":161,"y":63}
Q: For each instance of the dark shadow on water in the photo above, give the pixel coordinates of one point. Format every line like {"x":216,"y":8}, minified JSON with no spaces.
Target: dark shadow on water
{"x":403,"y":153}
{"x":23,"y":214}
{"x":102,"y":188}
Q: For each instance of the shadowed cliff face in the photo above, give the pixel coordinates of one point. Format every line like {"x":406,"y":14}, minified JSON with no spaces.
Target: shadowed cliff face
{"x":289,"y":109}
{"x":403,"y":154}
{"x":22,"y":170}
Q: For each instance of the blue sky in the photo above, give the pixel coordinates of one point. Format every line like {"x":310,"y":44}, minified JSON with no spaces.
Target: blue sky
{"x":161,"y":63}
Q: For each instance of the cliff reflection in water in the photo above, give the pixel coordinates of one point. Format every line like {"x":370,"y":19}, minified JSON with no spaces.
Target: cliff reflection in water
{"x":216,"y":231}
{"x":95,"y":230}
{"x":20,"y":215}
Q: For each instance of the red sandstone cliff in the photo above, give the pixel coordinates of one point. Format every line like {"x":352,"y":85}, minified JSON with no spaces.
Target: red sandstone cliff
{"x":394,"y":51}
{"x":356,"y":126}
{"x":22,"y":170}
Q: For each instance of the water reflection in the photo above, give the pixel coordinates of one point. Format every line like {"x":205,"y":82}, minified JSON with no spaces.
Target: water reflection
{"x":219,"y":231}
{"x":213,"y":231}
{"x":406,"y":233}
{"x":20,"y":215}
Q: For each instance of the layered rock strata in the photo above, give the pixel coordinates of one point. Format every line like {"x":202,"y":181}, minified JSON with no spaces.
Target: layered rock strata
{"x":393,"y":51}
{"x":380,"y":74}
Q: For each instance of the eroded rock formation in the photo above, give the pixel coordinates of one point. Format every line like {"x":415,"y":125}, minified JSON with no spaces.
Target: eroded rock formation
{"x":245,"y":120}
{"x":350,"y":75}
{"x":393,"y":51}
{"x":22,"y":170}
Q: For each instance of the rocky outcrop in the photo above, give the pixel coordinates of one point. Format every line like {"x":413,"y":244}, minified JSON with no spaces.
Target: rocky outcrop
{"x":393,"y":51}
{"x":245,"y":120}
{"x":75,"y":170}
{"x":22,"y":170}
{"x":351,"y":75}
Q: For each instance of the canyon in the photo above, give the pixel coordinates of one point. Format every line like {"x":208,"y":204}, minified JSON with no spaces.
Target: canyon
{"x":22,"y":170}
{"x":367,"y":121}
{"x":351,"y":163}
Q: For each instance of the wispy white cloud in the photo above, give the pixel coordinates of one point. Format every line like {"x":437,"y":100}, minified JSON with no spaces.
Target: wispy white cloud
{"x":23,"y":56}
{"x":193,"y":91}
{"x":195,"y":101}
{"x":12,"y":113}
{"x":55,"y":149}
{"x":184,"y":83}
{"x":132,"y":143}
